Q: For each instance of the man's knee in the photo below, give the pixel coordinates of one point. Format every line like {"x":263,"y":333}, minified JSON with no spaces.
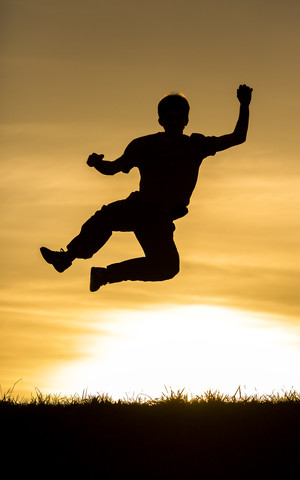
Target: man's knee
{"x":173,"y":269}
{"x":168,"y":267}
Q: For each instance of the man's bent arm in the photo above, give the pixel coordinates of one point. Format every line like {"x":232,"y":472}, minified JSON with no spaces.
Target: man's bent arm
{"x":104,"y":167}
{"x":239,"y":134}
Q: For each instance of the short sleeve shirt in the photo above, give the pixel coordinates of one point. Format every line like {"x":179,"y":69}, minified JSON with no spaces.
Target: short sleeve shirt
{"x":168,"y":168}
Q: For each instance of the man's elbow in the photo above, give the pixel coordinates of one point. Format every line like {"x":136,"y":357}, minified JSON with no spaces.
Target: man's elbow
{"x":110,"y":168}
{"x":239,"y":138}
{"x":110,"y":171}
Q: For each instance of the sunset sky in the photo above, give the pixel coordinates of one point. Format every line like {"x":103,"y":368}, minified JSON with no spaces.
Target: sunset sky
{"x":83,"y":76}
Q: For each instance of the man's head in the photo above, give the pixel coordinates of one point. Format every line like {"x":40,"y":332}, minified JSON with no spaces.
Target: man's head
{"x":173,"y":113}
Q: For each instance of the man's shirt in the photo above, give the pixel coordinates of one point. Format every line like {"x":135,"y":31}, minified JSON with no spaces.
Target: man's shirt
{"x":168,"y":167}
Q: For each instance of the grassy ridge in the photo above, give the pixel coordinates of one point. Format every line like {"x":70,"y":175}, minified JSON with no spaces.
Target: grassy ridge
{"x":93,"y":437}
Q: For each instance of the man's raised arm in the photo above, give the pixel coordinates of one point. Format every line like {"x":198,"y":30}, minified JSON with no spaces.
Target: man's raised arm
{"x":240,"y":132}
{"x":104,"y":167}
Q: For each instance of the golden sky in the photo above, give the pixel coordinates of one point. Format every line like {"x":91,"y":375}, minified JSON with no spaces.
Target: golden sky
{"x":80,"y":76}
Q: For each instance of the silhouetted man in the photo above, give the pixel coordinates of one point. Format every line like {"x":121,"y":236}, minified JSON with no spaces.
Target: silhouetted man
{"x":168,"y":162}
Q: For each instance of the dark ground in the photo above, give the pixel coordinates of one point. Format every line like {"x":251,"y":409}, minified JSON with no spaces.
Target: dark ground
{"x":167,"y":440}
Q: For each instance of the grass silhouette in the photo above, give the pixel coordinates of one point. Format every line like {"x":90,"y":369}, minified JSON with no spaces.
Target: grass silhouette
{"x":92,"y":436}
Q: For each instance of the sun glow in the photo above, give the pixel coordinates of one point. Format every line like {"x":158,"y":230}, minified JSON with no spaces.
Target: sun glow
{"x":192,"y":347}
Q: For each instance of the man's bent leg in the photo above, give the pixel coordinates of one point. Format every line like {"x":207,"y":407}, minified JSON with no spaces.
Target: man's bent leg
{"x":161,"y":261}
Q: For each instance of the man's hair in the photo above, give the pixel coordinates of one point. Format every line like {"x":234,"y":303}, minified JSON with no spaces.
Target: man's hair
{"x":173,"y":101}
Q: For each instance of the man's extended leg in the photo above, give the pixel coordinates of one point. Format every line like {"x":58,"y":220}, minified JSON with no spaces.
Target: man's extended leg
{"x":117,"y":216}
{"x":93,"y":235}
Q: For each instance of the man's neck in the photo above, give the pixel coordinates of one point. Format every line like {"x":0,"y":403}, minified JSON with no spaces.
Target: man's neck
{"x":173,"y":136}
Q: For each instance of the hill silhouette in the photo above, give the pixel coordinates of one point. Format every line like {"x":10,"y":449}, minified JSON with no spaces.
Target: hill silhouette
{"x":171,"y":437}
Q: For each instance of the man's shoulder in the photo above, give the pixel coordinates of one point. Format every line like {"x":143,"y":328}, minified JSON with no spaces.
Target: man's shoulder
{"x":140,"y":144}
{"x":204,"y":143}
{"x":146,"y":140}
{"x":198,"y":137}
{"x":152,"y":137}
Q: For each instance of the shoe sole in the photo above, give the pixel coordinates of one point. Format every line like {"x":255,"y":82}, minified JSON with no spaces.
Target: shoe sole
{"x":92,"y":280}
{"x":95,"y":282}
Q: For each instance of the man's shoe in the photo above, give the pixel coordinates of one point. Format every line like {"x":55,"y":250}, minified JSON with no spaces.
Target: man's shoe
{"x":60,"y":260}
{"x":98,"y":278}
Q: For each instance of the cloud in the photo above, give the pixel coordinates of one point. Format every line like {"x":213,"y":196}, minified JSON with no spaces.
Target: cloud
{"x":36,"y":340}
{"x":248,"y":287}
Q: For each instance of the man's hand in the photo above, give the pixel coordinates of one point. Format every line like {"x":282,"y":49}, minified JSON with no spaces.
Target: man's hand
{"x":94,"y":159}
{"x":244,"y":94}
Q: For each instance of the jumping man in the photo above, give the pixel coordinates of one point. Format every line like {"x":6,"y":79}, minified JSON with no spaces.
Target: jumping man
{"x":168,"y":163}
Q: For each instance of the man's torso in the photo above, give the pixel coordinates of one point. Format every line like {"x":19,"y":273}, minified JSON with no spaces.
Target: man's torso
{"x":168,"y":167}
